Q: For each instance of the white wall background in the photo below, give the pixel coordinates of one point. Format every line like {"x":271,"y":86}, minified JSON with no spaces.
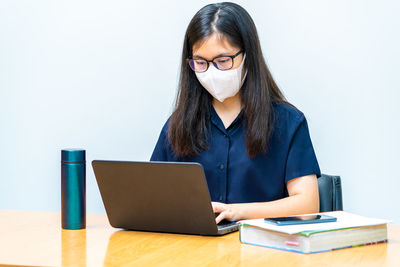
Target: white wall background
{"x":102,"y":75}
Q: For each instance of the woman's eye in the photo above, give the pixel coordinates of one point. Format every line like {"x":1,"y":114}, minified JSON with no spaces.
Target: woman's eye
{"x":222,"y":60}
{"x":200,"y":62}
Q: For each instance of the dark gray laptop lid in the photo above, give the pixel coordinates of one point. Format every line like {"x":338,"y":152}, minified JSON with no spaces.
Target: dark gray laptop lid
{"x":156,"y":196}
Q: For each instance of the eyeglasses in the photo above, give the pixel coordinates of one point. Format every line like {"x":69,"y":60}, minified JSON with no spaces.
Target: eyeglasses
{"x":221,"y":63}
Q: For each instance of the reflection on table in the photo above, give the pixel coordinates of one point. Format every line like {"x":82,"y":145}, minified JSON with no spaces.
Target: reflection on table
{"x":36,"y":239}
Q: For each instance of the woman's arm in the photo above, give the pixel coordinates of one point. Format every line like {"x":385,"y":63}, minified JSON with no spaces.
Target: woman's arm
{"x":303,"y":198}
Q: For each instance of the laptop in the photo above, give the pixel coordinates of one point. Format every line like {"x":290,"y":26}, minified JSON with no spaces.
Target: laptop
{"x":158,"y":196}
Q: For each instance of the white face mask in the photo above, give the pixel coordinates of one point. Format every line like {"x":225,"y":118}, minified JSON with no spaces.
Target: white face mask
{"x":222,"y":84}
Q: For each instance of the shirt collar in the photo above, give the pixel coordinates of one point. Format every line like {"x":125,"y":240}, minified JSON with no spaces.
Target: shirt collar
{"x":216,"y":120}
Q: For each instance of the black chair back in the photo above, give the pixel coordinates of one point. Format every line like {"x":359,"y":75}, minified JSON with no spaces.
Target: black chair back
{"x":330,"y":193}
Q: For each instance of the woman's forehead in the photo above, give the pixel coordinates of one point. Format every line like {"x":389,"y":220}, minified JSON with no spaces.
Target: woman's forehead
{"x":213,"y":46}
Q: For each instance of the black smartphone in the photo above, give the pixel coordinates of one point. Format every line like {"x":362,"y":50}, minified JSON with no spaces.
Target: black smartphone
{"x":301,"y":219}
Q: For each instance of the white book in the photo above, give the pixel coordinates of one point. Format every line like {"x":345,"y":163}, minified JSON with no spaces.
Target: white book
{"x":349,"y":230}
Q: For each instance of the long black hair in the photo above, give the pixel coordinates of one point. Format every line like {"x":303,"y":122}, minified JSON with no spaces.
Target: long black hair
{"x":188,"y":125}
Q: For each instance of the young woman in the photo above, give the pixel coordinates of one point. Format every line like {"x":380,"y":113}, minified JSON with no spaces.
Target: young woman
{"x":231,"y":117}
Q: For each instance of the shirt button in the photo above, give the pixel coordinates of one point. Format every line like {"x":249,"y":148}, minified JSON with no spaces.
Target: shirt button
{"x":220,"y":198}
{"x":221,"y":166}
{"x":225,"y":136}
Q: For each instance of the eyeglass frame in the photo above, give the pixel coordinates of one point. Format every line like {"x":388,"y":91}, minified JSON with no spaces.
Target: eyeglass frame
{"x":214,"y":63}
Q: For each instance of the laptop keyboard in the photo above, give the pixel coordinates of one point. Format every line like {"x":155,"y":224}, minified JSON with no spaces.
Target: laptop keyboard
{"x":224,"y":224}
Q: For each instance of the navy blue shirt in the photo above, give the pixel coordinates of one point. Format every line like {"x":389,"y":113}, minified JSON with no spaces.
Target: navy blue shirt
{"x":232,"y":176}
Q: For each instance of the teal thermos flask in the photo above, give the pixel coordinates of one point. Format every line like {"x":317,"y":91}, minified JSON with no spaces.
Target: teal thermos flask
{"x":73,"y":188}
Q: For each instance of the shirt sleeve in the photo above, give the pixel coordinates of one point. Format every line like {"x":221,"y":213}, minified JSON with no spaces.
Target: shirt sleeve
{"x":160,"y":152}
{"x":301,"y":160}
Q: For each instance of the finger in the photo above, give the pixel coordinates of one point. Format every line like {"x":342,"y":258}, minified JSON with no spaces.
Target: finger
{"x":217,"y":207}
{"x":220,"y":217}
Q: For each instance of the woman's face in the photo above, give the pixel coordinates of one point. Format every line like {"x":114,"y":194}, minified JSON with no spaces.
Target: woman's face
{"x":217,"y":46}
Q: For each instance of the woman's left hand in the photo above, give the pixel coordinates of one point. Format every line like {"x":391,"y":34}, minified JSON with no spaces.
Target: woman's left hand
{"x":228,"y":212}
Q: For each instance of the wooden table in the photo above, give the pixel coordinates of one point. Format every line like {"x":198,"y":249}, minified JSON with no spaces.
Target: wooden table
{"x":36,"y":239}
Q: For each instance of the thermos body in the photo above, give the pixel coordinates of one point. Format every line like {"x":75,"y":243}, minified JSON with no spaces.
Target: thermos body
{"x":73,"y":189}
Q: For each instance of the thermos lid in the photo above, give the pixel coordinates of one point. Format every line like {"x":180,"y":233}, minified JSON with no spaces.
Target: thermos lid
{"x":73,"y":155}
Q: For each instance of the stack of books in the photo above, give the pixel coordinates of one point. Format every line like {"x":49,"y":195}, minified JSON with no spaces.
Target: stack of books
{"x":348,"y":231}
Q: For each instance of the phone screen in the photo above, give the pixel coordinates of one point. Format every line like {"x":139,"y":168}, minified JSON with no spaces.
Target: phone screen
{"x":302,"y":219}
